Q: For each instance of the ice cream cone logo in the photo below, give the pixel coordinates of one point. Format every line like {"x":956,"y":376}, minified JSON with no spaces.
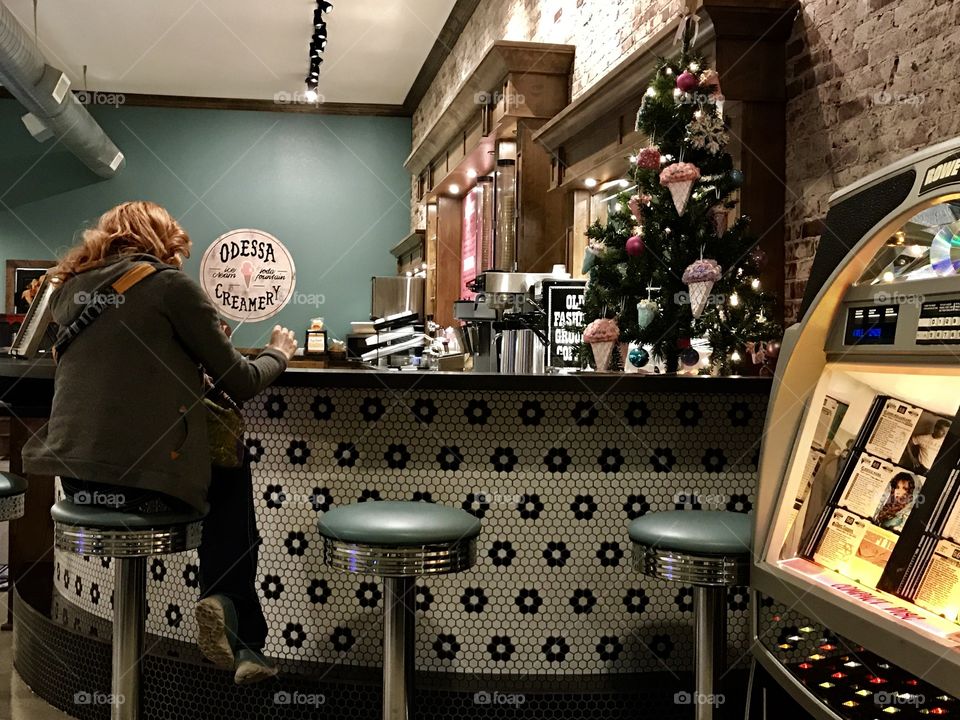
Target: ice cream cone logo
{"x":246,"y":270}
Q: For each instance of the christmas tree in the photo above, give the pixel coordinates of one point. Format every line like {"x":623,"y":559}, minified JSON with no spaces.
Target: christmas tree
{"x":668,"y":266}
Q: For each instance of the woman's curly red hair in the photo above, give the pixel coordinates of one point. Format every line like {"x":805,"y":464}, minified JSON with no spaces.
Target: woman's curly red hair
{"x":131,"y":228}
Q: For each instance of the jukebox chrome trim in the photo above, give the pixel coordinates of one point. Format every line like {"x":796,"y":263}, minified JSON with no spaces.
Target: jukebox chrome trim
{"x":692,"y":568}
{"x":400,"y":561}
{"x":111,"y":542}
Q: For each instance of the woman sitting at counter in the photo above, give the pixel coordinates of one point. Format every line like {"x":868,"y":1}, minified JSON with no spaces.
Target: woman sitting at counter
{"x":128,"y":424}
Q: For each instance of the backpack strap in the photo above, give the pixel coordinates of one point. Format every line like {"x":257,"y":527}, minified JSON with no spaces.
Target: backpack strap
{"x":98,"y":303}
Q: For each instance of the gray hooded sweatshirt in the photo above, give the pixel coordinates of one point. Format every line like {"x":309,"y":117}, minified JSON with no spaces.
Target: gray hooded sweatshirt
{"x":127,"y":404}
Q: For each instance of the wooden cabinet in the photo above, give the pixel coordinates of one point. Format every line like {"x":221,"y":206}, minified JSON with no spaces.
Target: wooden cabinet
{"x":513,"y":91}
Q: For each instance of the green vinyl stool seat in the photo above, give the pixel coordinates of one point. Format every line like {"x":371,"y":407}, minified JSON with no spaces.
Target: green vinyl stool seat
{"x":399,"y":541}
{"x":711,"y":552}
{"x":130,"y":538}
{"x":13,"y":491}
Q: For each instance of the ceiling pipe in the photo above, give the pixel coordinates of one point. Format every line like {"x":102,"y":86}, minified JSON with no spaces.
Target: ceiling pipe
{"x":54,"y":110}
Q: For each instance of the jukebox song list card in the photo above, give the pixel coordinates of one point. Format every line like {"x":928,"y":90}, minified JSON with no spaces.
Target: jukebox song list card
{"x":877,"y":489}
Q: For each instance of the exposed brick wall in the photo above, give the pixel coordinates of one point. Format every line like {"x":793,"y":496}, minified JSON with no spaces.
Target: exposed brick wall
{"x":869,"y":81}
{"x":615,"y":28}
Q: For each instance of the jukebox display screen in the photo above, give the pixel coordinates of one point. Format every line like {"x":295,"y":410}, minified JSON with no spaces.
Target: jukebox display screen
{"x":875,"y":325}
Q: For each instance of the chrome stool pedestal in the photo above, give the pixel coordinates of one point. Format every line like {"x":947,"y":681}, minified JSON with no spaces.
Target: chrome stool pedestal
{"x":399,"y":541}
{"x":129,"y":539}
{"x":711,"y":552}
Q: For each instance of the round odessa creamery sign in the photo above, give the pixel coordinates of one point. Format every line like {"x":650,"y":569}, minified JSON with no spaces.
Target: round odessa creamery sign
{"x":248,"y":275}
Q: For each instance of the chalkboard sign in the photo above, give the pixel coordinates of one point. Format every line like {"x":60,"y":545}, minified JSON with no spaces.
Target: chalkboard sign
{"x":564,"y":307}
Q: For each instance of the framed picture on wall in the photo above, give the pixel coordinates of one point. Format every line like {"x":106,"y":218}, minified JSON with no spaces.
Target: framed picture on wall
{"x":20,"y":273}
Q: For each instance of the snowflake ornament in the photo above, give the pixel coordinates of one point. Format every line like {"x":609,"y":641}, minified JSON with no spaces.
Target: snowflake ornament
{"x":707,"y":132}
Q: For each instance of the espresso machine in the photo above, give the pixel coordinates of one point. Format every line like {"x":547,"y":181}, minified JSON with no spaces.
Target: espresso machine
{"x":504,"y":323}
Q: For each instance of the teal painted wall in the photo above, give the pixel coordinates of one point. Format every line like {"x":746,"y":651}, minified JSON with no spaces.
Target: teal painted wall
{"x":331,"y":188}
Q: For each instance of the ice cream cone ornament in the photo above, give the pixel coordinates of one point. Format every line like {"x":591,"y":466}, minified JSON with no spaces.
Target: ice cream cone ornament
{"x":647,"y":309}
{"x":679,"y":178}
{"x":602,"y":334}
{"x":700,"y":276}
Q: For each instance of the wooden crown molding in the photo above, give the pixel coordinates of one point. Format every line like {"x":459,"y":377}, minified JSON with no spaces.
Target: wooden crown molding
{"x":502,"y":58}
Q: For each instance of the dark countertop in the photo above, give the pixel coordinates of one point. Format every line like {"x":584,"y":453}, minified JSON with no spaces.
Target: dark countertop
{"x":23,"y":376}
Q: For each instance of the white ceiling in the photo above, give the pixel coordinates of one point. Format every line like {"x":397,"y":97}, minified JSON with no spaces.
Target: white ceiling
{"x":237,"y":48}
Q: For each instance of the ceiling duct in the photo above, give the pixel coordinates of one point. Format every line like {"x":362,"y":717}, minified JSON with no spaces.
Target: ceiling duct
{"x":54,"y":110}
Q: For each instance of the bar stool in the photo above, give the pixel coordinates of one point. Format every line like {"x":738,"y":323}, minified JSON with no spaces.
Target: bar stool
{"x":13,"y":490}
{"x":129,"y":538}
{"x":399,"y":541}
{"x":711,"y":551}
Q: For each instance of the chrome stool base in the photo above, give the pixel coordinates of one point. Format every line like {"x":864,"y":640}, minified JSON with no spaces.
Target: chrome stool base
{"x":130,"y":548}
{"x":399,"y":567}
{"x":710,"y":576}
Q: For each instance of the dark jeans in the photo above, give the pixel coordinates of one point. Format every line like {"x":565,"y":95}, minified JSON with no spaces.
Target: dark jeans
{"x":228,"y":551}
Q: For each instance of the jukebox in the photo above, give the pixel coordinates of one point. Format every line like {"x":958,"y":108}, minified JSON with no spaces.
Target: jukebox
{"x":856,"y":575}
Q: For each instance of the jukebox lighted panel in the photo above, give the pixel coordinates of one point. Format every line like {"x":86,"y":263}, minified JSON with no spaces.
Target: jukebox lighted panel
{"x":857,"y":524}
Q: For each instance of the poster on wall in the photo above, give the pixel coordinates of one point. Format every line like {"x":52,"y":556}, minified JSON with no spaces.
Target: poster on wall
{"x":249,"y":275}
{"x":468,"y":248}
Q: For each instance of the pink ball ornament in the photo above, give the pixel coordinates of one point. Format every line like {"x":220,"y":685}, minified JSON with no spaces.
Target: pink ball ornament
{"x":649,"y":158}
{"x":634,"y":246}
{"x":687,"y":81}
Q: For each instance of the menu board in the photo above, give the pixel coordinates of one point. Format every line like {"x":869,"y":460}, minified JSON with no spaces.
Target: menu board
{"x":564,"y":308}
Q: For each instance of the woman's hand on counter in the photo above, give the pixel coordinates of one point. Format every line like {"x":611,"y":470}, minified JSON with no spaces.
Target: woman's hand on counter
{"x":283,"y":340}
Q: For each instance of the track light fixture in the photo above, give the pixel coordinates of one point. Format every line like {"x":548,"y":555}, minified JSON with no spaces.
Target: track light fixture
{"x":318,"y":44}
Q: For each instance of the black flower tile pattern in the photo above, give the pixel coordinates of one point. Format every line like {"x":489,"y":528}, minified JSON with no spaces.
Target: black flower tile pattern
{"x":254,"y":447}
{"x":553,"y":589}
{"x":531,"y":412}
{"x":556,"y":554}
{"x":637,"y":413}
{"x":446,"y":647}
{"x":610,"y":460}
{"x":636,"y":506}
{"x":424,"y":410}
{"x":584,"y":413}
{"x":739,"y":414}
{"x":449,"y":457}
{"x":557,"y":460}
{"x":372,"y":409}
{"x":298,"y":452}
{"x":346,"y":454}
{"x":322,"y":407}
{"x":396,"y":456}
{"x":503,"y":459}
{"x":477,"y":412}
{"x":689,"y":414}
